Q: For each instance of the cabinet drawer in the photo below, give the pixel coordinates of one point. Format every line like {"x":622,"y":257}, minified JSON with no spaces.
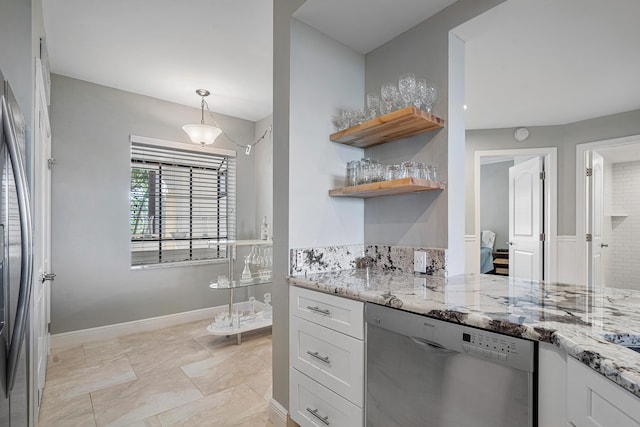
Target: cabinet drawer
{"x":329,"y":357}
{"x":312,"y":404}
{"x":340,"y":314}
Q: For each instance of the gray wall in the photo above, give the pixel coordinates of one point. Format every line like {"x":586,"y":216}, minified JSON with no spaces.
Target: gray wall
{"x":418,"y":219}
{"x":494,"y":205}
{"x":565,"y":138}
{"x":95,"y":286}
{"x":264,"y":173}
{"x":289,"y":136}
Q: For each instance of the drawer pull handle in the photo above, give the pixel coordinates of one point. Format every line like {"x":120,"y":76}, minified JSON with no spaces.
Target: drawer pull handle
{"x":314,"y":412}
{"x":319,"y":310}
{"x":315,"y":354}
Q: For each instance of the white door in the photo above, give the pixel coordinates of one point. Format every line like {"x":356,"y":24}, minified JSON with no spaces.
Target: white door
{"x":525,"y":220}
{"x":595,"y":218}
{"x":42,"y":242}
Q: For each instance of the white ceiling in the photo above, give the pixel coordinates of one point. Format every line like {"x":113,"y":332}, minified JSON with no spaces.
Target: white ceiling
{"x":528,"y":62}
{"x":364,"y":25}
{"x":549,"y":62}
{"x":167,"y":49}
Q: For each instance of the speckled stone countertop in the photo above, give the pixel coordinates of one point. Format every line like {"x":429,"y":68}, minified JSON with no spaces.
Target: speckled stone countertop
{"x":580,"y":322}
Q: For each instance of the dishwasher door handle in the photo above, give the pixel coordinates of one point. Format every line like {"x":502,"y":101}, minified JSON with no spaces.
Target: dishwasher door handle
{"x":423,"y":342}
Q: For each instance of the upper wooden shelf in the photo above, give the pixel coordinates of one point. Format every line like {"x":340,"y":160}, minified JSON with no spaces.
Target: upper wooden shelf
{"x":387,"y":188}
{"x":398,"y":124}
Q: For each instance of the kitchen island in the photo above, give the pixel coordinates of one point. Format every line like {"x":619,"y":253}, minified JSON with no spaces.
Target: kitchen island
{"x":587,"y":326}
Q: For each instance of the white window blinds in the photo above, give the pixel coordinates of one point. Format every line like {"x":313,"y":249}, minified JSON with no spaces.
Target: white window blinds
{"x":182,"y":203}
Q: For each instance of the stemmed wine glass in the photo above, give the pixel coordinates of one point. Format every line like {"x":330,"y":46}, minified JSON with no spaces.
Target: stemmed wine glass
{"x":431,"y":97}
{"x":407,"y":88}
{"x":373,"y":103}
{"x":388,"y":94}
{"x":421,"y":92}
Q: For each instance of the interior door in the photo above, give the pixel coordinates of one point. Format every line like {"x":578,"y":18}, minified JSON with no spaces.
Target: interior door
{"x":525,"y":220}
{"x":595,"y":220}
{"x":42,"y":250}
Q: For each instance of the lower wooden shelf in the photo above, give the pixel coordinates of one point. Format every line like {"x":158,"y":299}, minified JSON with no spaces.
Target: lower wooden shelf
{"x":388,"y":188}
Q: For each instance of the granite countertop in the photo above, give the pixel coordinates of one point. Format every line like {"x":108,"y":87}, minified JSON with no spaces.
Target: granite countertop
{"x":580,"y":322}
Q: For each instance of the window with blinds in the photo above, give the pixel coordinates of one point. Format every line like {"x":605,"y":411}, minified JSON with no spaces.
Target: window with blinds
{"x":182,"y":202}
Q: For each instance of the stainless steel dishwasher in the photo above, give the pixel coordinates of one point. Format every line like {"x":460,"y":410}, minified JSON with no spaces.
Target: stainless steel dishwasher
{"x":427,"y":372}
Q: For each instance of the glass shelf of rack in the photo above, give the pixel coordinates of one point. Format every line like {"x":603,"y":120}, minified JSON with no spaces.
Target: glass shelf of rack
{"x":241,"y":283}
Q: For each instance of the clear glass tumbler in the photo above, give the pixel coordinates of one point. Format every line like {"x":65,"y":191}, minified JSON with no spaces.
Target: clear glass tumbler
{"x":408,"y":169}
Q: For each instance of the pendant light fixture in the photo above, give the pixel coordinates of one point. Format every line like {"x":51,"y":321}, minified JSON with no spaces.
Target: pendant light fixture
{"x":202,"y":134}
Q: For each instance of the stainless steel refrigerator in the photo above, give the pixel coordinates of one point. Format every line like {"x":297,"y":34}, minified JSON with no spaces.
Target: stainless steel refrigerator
{"x":16,"y":264}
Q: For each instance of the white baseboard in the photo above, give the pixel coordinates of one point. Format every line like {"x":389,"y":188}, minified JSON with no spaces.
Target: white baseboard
{"x":277,"y":413}
{"x":73,"y":338}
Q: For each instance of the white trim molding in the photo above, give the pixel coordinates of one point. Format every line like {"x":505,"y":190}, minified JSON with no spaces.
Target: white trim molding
{"x":567,"y":259}
{"x":550,"y":203}
{"x":277,"y":413}
{"x":74,"y":338}
{"x":581,"y":190}
{"x":472,"y":254}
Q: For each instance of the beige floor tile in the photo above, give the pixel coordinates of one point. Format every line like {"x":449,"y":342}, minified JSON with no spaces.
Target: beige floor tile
{"x":231,"y":407}
{"x":147,"y":422}
{"x":89,"y":378}
{"x":109,"y":349}
{"x":128,"y":403}
{"x":180,"y":332}
{"x":224,"y":370}
{"x":166,"y":355}
{"x":61,"y":360}
{"x":261,"y":384}
{"x":76,"y":411}
{"x":217,"y":344}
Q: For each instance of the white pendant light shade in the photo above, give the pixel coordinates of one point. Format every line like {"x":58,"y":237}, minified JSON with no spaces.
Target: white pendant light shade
{"x":202,"y":134}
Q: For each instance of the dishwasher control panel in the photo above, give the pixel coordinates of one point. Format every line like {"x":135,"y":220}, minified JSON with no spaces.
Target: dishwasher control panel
{"x":490,"y":345}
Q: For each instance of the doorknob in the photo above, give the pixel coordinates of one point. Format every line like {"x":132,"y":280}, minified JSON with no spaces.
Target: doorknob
{"x":48,"y":276}
{"x":509,"y":243}
{"x":604,"y":245}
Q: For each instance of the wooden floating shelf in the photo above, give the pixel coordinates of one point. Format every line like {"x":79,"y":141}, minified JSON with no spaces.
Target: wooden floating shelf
{"x":387,"y":188}
{"x":398,"y":124}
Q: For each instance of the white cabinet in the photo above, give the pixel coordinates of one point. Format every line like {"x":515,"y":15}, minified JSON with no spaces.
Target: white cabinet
{"x":595,"y":401}
{"x":326,"y":384}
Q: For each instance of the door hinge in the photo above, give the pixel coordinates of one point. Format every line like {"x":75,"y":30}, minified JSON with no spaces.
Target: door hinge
{"x":542,"y":237}
{"x":48,"y":328}
{"x":48,"y":276}
{"x":51,"y":162}
{"x":589,"y":237}
{"x":543,"y":175}
{"x":589,"y":171}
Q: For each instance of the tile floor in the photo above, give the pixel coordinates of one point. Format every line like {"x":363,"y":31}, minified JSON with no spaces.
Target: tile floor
{"x":180,"y":376}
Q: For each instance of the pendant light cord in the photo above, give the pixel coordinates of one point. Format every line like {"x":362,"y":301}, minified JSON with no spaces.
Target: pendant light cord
{"x":247,"y":147}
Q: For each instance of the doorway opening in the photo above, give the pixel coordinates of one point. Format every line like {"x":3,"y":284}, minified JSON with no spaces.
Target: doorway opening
{"x":516,"y":213}
{"x":607,"y":209}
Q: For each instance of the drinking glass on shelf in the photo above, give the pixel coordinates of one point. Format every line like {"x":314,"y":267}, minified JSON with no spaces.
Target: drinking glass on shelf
{"x":389,"y":95}
{"x":392,"y":172}
{"x":433,"y":172}
{"x":431,"y":97}
{"x":407,"y":88}
{"x":351,"y":173}
{"x":364,"y":176}
{"x":421,"y":92}
{"x":373,"y":103}
{"x":421,"y":171}
{"x":408,"y":169}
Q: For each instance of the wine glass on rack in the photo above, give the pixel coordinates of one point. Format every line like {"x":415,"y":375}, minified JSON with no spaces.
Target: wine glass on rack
{"x":407,"y":88}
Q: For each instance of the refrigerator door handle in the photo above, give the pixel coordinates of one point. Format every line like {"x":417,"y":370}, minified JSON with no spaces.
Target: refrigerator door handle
{"x":26,"y":269}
